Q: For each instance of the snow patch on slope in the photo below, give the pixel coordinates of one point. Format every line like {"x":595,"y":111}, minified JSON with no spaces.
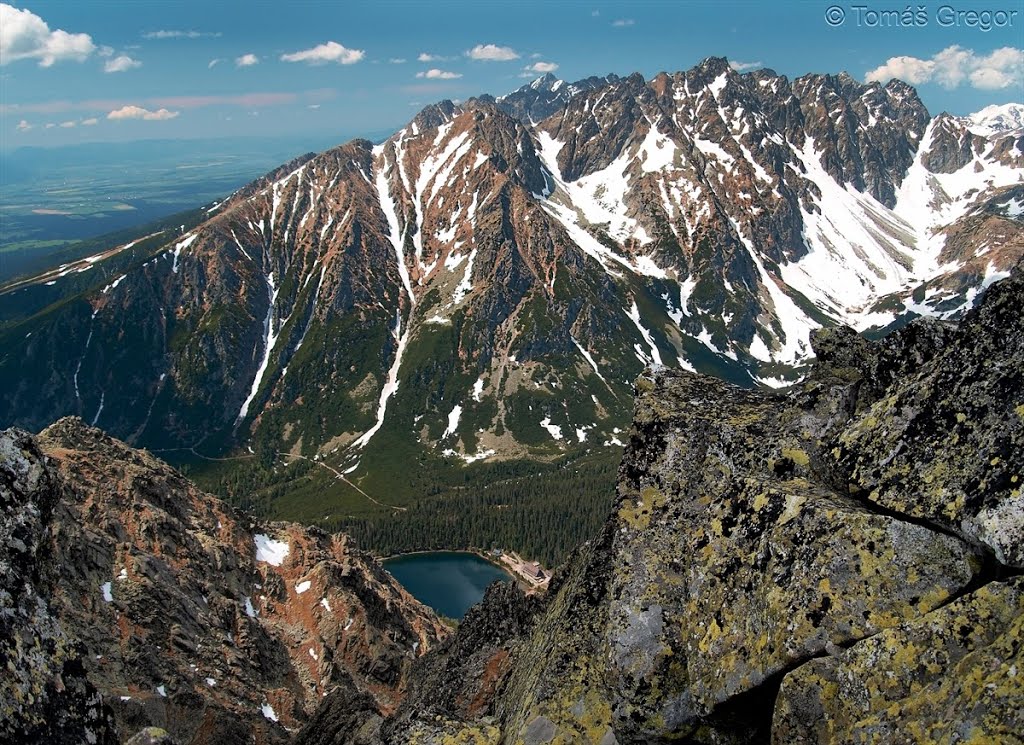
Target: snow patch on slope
{"x":634,"y":315}
{"x":453,"y":421}
{"x":553,"y":429}
{"x":270,"y":551}
{"x":858,"y":249}
{"x":394,"y":235}
{"x":270,"y":335}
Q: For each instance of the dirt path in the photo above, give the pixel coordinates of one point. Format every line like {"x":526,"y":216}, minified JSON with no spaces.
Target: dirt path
{"x":340,"y":476}
{"x":337,"y":474}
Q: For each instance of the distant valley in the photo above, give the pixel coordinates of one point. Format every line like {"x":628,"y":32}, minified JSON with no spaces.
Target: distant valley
{"x":53,"y":197}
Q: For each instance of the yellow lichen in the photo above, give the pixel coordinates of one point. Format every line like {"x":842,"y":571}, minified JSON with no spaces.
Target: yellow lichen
{"x":638,"y":515}
{"x":797,"y":455}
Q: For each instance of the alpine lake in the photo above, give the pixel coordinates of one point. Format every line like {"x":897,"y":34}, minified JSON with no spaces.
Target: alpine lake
{"x":450,"y":582}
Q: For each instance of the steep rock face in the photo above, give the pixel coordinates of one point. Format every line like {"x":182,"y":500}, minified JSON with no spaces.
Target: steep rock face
{"x":45,"y":694}
{"x":743,"y":556}
{"x":192,"y":619}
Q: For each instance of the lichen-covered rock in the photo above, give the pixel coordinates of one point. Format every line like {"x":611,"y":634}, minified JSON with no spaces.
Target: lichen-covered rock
{"x":945,"y":442}
{"x":954,"y":675}
{"x":151,"y":736}
{"x":44,"y":693}
{"x":727,"y":563}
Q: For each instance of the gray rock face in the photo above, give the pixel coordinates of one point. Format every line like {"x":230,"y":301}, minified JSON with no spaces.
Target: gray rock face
{"x":951,"y":449}
{"x":951,"y":676}
{"x":952,"y":146}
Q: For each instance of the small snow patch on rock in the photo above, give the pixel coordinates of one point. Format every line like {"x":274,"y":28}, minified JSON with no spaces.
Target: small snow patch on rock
{"x":270,"y":551}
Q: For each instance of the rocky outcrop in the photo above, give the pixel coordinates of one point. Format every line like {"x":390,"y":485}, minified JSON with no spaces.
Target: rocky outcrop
{"x":139,"y":601}
{"x":903,"y":684}
{"x":45,"y":695}
{"x":753,"y":584}
{"x":951,"y":450}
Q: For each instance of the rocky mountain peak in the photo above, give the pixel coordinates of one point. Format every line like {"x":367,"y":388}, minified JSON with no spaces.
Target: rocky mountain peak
{"x":547,"y":94}
{"x":712,"y":67}
{"x":547,"y":82}
{"x":179,"y":612}
{"x":434,"y":115}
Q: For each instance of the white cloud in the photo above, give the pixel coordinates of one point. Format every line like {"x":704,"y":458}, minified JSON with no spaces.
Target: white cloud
{"x":137,"y":112}
{"x":908,"y":69}
{"x":541,"y":67}
{"x":68,"y":125}
{"x":428,"y":57}
{"x":179,"y":34}
{"x":49,"y":125}
{"x":397,"y":60}
{"x":121,"y":63}
{"x":623,"y":22}
{"x":321,"y":54}
{"x":24,"y":126}
{"x":744,"y":66}
{"x":313,"y":106}
{"x":24,"y":35}
{"x":435,"y":74}
{"x":105,"y":51}
{"x":214,"y":63}
{"x":247,"y":60}
{"x":492,"y":53}
{"x":90,"y":122}
{"x":954,"y":66}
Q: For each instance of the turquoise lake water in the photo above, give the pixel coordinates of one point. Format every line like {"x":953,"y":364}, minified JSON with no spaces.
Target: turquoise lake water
{"x":448,"y":581}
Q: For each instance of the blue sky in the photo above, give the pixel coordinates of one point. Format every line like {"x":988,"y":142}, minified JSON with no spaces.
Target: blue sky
{"x":78,"y":71}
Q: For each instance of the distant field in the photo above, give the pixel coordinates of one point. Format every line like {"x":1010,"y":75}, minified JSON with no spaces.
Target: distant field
{"x":52,"y":197}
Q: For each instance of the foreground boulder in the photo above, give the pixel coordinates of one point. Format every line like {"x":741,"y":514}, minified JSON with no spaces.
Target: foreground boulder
{"x":135,"y":603}
{"x":832,"y":564}
{"x":905,"y":682}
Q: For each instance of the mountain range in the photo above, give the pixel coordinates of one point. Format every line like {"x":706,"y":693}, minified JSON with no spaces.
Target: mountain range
{"x":371,"y":323}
